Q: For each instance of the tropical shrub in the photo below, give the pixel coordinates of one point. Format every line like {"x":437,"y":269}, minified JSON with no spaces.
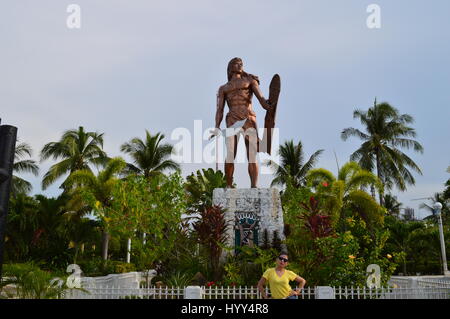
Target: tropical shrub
{"x":31,"y":282}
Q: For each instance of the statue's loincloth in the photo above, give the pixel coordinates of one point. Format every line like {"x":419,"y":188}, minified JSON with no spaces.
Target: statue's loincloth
{"x":234,"y":116}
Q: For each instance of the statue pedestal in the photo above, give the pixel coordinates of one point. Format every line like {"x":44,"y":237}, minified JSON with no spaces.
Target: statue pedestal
{"x":250,"y":211}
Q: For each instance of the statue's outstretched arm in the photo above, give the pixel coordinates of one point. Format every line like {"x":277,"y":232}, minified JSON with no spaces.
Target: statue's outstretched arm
{"x":255,"y":88}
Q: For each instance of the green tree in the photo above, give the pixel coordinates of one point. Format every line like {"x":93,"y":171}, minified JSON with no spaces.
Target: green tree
{"x":51,"y":239}
{"x":150,"y":156}
{"x":98,"y":190}
{"x":343,"y":195}
{"x":293,"y":165}
{"x":387,"y":131}
{"x":20,"y":226}
{"x":424,"y":250}
{"x":445,"y":211}
{"x":446,"y":193}
{"x":19,"y":185}
{"x":401,"y":234}
{"x":200,"y":187}
{"x":447,"y":190}
{"x":77,"y":149}
{"x":392,"y":205}
{"x":147,"y":206}
{"x":211,"y":229}
{"x":31,"y":282}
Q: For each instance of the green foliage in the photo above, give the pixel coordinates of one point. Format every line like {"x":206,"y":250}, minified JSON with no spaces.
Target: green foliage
{"x":147,"y":206}
{"x":177,"y":279}
{"x":186,"y":256}
{"x":334,"y":229}
{"x":31,"y":282}
{"x":419,"y":243}
{"x":200,"y":187}
{"x":424,"y":253}
{"x":392,"y":205}
{"x":341,"y":260}
{"x":96,"y":266}
{"x":247,"y":267}
{"x":233,"y":274}
{"x":38,"y":230}
{"x":77,"y":149}
{"x":343,"y":194}
{"x":150,"y":156}
{"x":339,"y":256}
{"x":211,"y":228}
{"x":386,"y":132}
{"x":293,"y":168}
{"x":19,"y":185}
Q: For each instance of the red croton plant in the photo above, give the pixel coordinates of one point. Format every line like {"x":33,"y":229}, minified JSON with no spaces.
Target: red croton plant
{"x":211,"y":230}
{"x":315,"y":221}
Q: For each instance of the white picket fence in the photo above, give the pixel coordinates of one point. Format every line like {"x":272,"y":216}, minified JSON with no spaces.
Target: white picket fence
{"x":130,"y":286}
{"x":436,"y":292}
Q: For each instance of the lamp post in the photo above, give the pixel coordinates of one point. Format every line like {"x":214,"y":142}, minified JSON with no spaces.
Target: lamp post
{"x":8,"y":136}
{"x":437,"y":208}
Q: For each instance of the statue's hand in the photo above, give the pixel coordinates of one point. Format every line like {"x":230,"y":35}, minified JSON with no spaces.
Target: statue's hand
{"x":215,"y":132}
{"x":267,"y":105}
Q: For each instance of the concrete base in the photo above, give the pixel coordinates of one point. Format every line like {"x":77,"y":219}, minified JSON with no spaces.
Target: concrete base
{"x":244,"y":205}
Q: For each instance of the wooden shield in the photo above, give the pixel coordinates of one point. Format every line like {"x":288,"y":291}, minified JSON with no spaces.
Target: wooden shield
{"x":269,"y":121}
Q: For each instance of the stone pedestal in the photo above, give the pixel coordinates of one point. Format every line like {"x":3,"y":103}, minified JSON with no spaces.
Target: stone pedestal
{"x":249,"y":211}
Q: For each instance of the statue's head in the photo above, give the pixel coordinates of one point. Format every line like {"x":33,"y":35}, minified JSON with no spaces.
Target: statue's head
{"x":237,"y":66}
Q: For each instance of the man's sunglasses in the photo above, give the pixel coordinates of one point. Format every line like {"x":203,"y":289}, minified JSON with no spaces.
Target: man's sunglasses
{"x":283,"y":259}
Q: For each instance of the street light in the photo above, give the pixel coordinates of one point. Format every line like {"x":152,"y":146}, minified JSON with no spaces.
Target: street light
{"x":437,"y":208}
{"x":8,"y":136}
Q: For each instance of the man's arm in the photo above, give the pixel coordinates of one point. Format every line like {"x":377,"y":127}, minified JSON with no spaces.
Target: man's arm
{"x":255,"y":88}
{"x":220,"y":106}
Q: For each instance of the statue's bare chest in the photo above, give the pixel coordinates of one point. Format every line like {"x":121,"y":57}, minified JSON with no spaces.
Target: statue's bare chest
{"x":237,"y":88}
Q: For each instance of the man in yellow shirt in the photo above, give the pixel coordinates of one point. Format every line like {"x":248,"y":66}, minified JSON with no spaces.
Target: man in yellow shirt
{"x":279,"y":278}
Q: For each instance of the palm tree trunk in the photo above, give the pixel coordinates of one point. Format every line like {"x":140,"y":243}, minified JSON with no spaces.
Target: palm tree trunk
{"x":76,"y":253}
{"x":379,"y":175}
{"x":105,"y":245}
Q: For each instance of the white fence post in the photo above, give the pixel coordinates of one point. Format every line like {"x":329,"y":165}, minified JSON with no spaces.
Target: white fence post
{"x":417,"y":291}
{"x":324,"y":292}
{"x":193,"y":292}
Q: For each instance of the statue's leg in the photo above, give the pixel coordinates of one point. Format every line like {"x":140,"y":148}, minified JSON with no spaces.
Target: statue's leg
{"x":251,"y":144}
{"x":232,"y":142}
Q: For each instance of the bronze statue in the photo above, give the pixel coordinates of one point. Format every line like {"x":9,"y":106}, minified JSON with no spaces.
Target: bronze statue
{"x":238,"y":93}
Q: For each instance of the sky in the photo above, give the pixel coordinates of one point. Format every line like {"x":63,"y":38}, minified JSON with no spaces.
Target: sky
{"x":157,"y":65}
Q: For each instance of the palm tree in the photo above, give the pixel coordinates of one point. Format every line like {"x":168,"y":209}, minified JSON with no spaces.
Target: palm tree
{"x":386,"y":132}
{"x":447,"y":187}
{"x":447,"y":190}
{"x":20,"y":185}
{"x":150,"y":156}
{"x":344,"y":192}
{"x":445,"y":211}
{"x":77,"y":149}
{"x":292,"y":165}
{"x":401,"y":233}
{"x":392,"y":205}
{"x":98,"y":187}
{"x":21,"y":224}
{"x":200,"y":186}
